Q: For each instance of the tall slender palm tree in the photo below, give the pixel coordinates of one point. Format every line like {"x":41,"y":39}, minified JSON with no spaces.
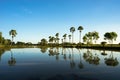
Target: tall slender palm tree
{"x":57,"y":37}
{"x":69,"y":38}
{"x":64,"y":37}
{"x":72,"y":30}
{"x":80,"y":28}
{"x":12,"y":33}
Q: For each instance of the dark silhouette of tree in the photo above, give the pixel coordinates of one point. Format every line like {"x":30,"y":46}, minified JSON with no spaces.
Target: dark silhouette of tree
{"x":12,"y":33}
{"x":95,"y":36}
{"x":110,"y":36}
{"x":64,"y":36}
{"x":69,"y":36}
{"x":90,"y":36}
{"x":43,"y":42}
{"x":72,"y":30}
{"x":80,"y":28}
{"x":85,"y":39}
{"x":57,"y":38}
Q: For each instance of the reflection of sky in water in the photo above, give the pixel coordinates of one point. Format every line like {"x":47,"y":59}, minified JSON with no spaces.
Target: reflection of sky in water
{"x":32,"y":64}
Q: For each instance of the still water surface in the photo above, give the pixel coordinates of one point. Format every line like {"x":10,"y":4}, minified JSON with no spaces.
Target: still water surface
{"x":59,"y":64}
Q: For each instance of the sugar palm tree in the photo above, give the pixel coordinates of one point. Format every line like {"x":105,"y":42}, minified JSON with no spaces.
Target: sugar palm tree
{"x":12,"y":33}
{"x":80,"y":28}
{"x":72,"y":30}
{"x":57,"y":35}
{"x":64,"y":37}
{"x":69,"y":38}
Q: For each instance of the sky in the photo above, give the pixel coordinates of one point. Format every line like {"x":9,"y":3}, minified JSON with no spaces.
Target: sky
{"x":37,"y":19}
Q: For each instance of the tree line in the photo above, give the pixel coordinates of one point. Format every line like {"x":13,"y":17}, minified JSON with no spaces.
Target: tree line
{"x":88,"y":38}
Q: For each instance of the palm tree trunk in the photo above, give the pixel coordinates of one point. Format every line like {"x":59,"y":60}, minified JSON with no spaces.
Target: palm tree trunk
{"x":72,"y":38}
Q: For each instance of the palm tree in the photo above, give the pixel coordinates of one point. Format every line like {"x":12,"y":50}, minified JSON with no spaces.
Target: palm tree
{"x":80,"y":28}
{"x":57,"y":35}
{"x":69,"y":38}
{"x":64,"y":37}
{"x":12,"y":33}
{"x":72,"y":30}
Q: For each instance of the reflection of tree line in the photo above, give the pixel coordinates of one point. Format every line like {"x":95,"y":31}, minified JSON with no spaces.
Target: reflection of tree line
{"x":88,"y":56}
{"x":94,"y":58}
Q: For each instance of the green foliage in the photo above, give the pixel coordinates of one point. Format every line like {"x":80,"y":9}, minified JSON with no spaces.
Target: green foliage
{"x":12,"y":33}
{"x":43,"y":42}
{"x":90,"y":36}
{"x":72,"y":30}
{"x":80,"y":28}
{"x":110,"y":36}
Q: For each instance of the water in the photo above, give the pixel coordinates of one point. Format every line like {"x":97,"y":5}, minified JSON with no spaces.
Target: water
{"x":59,"y":64}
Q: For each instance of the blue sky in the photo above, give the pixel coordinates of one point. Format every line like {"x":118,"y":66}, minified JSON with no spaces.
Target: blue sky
{"x":37,"y":19}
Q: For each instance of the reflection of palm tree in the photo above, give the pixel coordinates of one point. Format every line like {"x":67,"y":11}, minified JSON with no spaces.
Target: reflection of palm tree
{"x":57,"y":53}
{"x":72,"y":63}
{"x":69,"y":55}
{"x":12,"y":60}
{"x":80,"y":65}
{"x":111,"y":61}
{"x":64,"y":54}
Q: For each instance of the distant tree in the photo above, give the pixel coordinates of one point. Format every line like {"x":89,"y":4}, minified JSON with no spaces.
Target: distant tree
{"x":85,"y":38}
{"x":43,"y":42}
{"x":90,"y":36}
{"x":20,"y":43}
{"x":103,"y":43}
{"x":95,"y":36}
{"x":0,"y":37}
{"x":57,"y":37}
{"x":12,"y":33}
{"x":7,"y":41}
{"x":51,"y":39}
{"x":69,"y":38}
{"x":64,"y":36}
{"x":72,"y":30}
{"x":80,"y":28}
{"x":110,"y":36}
